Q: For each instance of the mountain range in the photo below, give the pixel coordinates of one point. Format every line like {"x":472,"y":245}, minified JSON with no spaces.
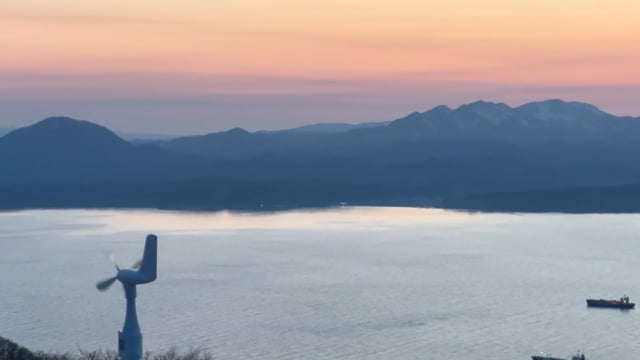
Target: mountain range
{"x":540,"y":156}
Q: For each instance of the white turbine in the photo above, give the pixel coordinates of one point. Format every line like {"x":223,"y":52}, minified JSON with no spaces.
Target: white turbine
{"x":130,"y":338}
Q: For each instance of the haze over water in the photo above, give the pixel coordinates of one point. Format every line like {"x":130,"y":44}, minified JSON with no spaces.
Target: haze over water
{"x":349,"y":283}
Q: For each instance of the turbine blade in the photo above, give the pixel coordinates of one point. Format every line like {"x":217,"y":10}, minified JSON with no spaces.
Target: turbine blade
{"x":137,"y":264}
{"x":105,"y":284}
{"x":113,"y":261}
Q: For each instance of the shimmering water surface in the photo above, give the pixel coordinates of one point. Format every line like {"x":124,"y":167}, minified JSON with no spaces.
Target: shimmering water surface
{"x":348,"y":283}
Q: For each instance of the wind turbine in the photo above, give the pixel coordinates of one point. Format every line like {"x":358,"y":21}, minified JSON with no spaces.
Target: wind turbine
{"x":130,"y":338}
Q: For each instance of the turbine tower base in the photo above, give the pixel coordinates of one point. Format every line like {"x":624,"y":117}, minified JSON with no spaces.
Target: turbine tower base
{"x":130,"y":346}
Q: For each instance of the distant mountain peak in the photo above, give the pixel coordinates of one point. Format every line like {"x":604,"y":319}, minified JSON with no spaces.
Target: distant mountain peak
{"x":237,"y":131}
{"x":482,"y":104}
{"x":560,"y":110}
{"x":553,"y":118}
{"x":494,"y":113}
{"x":60,"y":120}
{"x":440,"y":109}
{"x":66,"y":132}
{"x":65,"y":123}
{"x":479,"y":103}
{"x":559,"y":104}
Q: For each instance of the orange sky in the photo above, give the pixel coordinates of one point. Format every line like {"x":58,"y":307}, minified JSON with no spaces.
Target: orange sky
{"x":212,"y":65}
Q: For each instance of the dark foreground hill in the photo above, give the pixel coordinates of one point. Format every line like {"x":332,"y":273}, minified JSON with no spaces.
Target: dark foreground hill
{"x":442,"y":157}
{"x":9,"y":350}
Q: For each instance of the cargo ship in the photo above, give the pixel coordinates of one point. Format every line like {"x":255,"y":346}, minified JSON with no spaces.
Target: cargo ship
{"x":622,"y":303}
{"x":542,"y":356}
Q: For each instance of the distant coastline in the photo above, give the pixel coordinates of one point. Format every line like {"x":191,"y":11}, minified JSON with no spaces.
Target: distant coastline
{"x":610,"y":200}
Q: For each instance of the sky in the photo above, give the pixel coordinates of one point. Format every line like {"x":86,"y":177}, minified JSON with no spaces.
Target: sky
{"x":197,"y":66}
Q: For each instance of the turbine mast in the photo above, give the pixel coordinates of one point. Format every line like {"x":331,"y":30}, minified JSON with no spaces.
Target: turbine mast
{"x":130,"y":338}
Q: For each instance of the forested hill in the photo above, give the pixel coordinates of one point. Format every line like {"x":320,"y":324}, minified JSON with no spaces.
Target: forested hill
{"x":475,"y":156}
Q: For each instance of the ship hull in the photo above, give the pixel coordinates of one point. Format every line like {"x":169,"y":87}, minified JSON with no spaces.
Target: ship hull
{"x":612,"y":304}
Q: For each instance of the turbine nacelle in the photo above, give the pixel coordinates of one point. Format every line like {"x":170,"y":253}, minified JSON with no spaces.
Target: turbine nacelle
{"x":146,"y":268}
{"x":134,"y":277}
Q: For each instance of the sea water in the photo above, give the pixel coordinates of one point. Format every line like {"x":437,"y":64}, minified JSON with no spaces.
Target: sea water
{"x":345,"y":283}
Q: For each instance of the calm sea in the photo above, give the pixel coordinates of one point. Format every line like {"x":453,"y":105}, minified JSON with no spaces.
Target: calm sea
{"x":347,"y":283}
